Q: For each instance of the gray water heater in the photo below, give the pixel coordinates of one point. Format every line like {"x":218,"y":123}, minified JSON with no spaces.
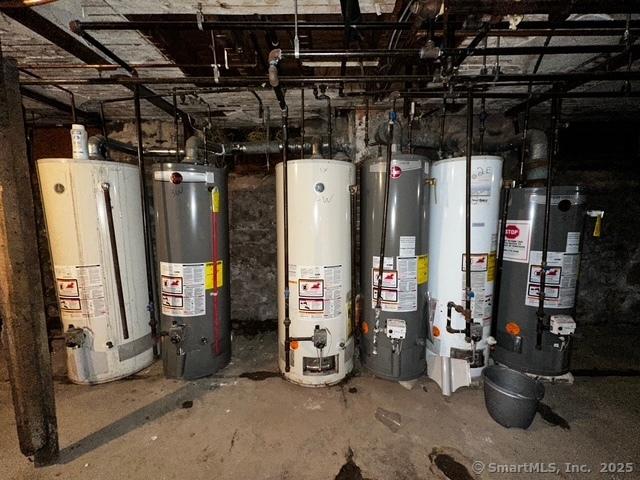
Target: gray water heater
{"x":192,"y":238}
{"x":393,"y":342}
{"x":521,"y":345}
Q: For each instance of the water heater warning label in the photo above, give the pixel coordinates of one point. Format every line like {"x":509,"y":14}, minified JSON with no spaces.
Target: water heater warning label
{"x":517,"y":241}
{"x":319,"y":290}
{"x":399,"y":284}
{"x":183,"y":289}
{"x":560,"y":280}
{"x":482,"y":277}
{"x":81,"y":291}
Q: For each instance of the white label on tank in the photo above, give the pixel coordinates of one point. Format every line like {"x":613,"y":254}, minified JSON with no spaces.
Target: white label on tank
{"x":560,"y":280}
{"x":517,"y":241}
{"x":319,"y":290}
{"x":399,"y":286}
{"x":80,"y":291}
{"x":573,"y":242}
{"x":388,"y":263}
{"x":481,"y":181}
{"x":407,"y":246}
{"x":482,"y":273}
{"x":183,"y":289}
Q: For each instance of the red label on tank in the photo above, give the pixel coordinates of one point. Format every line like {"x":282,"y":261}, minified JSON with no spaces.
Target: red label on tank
{"x":396,"y":171}
{"x":512,"y":232}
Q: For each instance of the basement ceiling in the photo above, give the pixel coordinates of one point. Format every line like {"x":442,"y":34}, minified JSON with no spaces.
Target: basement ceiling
{"x":243,"y":52}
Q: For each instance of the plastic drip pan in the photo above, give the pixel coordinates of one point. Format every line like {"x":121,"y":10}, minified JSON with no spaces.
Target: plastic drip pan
{"x":511,"y":397}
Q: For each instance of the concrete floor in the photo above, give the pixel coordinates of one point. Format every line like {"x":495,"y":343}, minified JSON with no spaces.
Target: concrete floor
{"x":239,"y":428}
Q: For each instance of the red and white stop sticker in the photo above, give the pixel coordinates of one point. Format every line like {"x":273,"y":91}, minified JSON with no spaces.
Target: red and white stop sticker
{"x":512,"y":232}
{"x":396,"y":171}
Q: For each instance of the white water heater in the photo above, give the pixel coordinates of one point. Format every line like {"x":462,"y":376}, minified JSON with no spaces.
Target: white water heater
{"x":93,"y":214}
{"x":321,"y":343}
{"x":455,"y":359}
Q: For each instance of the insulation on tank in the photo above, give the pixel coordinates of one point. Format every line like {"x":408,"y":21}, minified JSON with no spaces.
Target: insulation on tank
{"x":93,"y":214}
{"x":192,"y":237}
{"x":453,"y":359}
{"x":393,"y":339}
{"x":516,"y":327}
{"x":319,"y":239}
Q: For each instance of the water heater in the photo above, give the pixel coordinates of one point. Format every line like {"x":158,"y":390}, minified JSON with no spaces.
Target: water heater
{"x":454,"y":358}
{"x":393,"y":337}
{"x":519,"y":345}
{"x":320,"y":341}
{"x":93,"y":214}
{"x":192,"y":237}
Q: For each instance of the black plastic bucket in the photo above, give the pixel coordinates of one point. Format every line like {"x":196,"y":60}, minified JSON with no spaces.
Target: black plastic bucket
{"x":511,"y":397}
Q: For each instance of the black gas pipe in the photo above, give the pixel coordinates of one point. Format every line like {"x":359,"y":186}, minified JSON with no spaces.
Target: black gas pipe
{"x":274,"y":58}
{"x":151,"y":277}
{"x":467,"y":278}
{"x":552,"y":152}
{"x":383,"y":235}
{"x":285,"y":194}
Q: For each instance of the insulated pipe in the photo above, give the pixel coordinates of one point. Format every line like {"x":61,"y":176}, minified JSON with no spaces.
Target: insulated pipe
{"x":175,"y":124}
{"x":98,"y":144}
{"x":523,"y":153}
{"x":275,"y":56}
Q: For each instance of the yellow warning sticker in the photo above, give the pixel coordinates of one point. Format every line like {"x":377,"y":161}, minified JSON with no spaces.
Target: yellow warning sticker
{"x":208,"y":282}
{"x":219,"y":273}
{"x":491,"y":267}
{"x":423,"y":269}
{"x":215,"y":200}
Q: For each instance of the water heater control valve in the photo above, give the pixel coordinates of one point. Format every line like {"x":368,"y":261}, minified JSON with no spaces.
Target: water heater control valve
{"x":319,"y":337}
{"x":396,"y":329}
{"x":562,"y":325}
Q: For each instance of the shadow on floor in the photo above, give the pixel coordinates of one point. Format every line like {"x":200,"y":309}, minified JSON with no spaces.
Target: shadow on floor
{"x":134,"y":420}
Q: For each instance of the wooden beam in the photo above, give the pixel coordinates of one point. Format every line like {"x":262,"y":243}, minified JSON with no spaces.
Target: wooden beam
{"x":23,"y":325}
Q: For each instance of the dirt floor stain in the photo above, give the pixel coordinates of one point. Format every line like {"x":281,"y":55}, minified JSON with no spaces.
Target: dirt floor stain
{"x":259,"y":375}
{"x":551,"y":417}
{"x":350,"y":471}
{"x":449,"y":466}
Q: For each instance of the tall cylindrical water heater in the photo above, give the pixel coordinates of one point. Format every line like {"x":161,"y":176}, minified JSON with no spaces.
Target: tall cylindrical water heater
{"x":519,"y":345}
{"x":393,"y":340}
{"x":319,"y":237}
{"x":453,"y":358}
{"x":192,"y":237}
{"x":94,"y":222}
